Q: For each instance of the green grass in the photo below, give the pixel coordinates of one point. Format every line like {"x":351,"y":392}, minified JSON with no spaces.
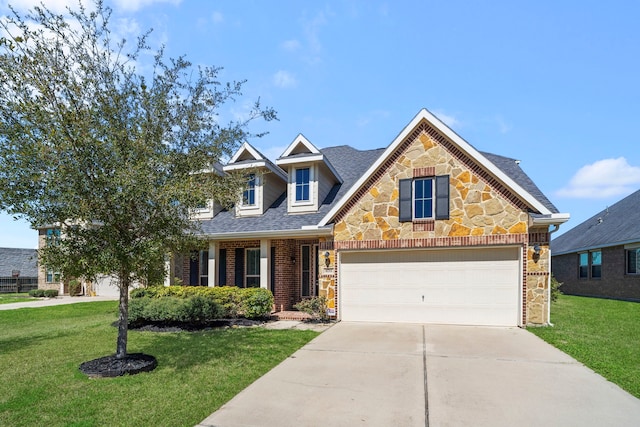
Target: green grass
{"x":602,"y":334}
{"x":10,"y":298}
{"x":41,"y":349}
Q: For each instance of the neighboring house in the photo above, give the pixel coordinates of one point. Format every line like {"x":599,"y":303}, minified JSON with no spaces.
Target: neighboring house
{"x":48,"y":278}
{"x":426,"y":230}
{"x":18,"y":268}
{"x":601,"y":256}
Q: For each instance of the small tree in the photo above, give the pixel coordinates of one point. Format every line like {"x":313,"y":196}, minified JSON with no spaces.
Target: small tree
{"x":116,"y":158}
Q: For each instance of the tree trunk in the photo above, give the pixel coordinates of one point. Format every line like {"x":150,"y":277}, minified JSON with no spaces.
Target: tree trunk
{"x":123,"y":317}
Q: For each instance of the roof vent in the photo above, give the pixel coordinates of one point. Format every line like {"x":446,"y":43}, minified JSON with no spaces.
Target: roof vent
{"x":600,"y":220}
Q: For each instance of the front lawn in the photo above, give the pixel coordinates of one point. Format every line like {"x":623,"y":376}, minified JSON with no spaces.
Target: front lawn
{"x":602,"y":334}
{"x":41,"y":349}
{"x":14,"y":297}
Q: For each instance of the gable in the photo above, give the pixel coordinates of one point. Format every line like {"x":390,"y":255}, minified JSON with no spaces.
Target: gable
{"x":478,"y":204}
{"x":425,"y":122}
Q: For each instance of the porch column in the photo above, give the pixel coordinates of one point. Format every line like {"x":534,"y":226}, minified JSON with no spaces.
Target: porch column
{"x":211,"y":270}
{"x":168,"y":269}
{"x":265,"y":265}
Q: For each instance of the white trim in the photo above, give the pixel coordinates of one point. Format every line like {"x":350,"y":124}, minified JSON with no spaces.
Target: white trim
{"x":463,"y":145}
{"x":299,"y":140}
{"x":554,"y":218}
{"x":274,"y":234}
{"x":248,"y":148}
{"x":305,"y":159}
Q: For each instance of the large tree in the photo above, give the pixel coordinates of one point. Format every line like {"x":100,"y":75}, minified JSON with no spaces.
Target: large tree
{"x":113,"y":150}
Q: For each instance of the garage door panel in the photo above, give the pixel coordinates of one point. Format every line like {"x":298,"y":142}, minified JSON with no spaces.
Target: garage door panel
{"x":464,"y":286}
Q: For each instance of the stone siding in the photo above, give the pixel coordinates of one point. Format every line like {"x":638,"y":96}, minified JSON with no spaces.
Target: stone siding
{"x":482,"y":213}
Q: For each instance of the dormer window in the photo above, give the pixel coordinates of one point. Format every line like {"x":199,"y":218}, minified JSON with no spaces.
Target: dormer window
{"x":249,"y":195}
{"x":302,"y":185}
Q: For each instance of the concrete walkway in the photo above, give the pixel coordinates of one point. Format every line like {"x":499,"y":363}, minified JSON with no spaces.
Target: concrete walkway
{"x":47,"y":302}
{"x":428,"y":375}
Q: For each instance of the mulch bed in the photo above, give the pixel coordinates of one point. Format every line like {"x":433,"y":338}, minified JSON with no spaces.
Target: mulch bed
{"x":111,"y":366}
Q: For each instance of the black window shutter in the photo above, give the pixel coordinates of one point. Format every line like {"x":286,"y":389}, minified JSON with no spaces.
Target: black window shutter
{"x":406,"y":200}
{"x":239,"y":268}
{"x":222,"y":267}
{"x":442,"y":197}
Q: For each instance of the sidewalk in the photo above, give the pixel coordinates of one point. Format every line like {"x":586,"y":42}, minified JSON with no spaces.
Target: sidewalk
{"x":48,"y":302}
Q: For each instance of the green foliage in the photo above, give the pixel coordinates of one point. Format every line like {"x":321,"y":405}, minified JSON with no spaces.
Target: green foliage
{"x":36,"y":293}
{"x":42,"y":348}
{"x":316,"y":307}
{"x":51,"y":293}
{"x":75,"y":287}
{"x":115,"y":156}
{"x":603,"y":334}
{"x":555,"y":288}
{"x":256,"y":302}
{"x":230,"y":301}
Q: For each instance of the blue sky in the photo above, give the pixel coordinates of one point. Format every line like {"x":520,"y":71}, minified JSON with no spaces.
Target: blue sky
{"x":553,"y":84}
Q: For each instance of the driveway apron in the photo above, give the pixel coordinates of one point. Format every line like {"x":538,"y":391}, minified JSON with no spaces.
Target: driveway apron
{"x":385,"y":374}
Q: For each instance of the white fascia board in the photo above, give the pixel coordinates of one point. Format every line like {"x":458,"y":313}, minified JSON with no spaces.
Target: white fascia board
{"x":553,"y":219}
{"x":294,"y":160}
{"x":424,"y":114}
{"x":246,"y":147}
{"x":272,"y":234}
{"x":252,"y":165}
{"x":300,"y":139}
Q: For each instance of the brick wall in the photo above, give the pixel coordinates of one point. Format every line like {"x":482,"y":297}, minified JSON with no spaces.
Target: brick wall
{"x":614,"y":283}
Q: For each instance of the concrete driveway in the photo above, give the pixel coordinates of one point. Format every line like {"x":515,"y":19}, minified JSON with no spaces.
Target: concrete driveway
{"x":383,"y":374}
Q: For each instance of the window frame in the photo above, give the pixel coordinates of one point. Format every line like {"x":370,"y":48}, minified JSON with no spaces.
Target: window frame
{"x":251,"y":275}
{"x":308,"y":185}
{"x":583,"y":268}
{"x":415,"y":199}
{"x":593,"y":265}
{"x":252,"y":183}
{"x":636,"y":251}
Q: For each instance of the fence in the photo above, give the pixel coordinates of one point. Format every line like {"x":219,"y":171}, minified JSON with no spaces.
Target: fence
{"x":22,"y":284}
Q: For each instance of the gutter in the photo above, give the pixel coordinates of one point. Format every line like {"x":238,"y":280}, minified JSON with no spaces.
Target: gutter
{"x":305,"y":231}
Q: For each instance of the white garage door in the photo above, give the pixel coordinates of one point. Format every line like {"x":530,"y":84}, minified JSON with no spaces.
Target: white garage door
{"x":454,"y":286}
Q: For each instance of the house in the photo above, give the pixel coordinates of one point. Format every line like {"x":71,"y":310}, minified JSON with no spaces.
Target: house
{"x":18,"y":267}
{"x":601,"y":256}
{"x":428,"y":230}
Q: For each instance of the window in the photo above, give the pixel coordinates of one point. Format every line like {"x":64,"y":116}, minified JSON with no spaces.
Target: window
{"x":249,"y":195}
{"x":302,"y":185}
{"x":596,"y":264}
{"x":424,"y":198}
{"x":52,"y":238}
{"x":584,"y":265}
{"x":633,"y":261}
{"x":305,"y":267}
{"x":252,"y":276}
{"x":204,"y":268}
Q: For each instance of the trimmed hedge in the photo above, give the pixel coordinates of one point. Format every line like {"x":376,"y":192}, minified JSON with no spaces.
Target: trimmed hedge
{"x":43,"y":293}
{"x":196,"y":304}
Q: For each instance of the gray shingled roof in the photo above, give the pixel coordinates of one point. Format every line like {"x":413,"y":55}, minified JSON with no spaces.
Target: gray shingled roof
{"x":513,"y":170}
{"x":616,"y":225}
{"x":350,"y":164}
{"x":25,"y":260}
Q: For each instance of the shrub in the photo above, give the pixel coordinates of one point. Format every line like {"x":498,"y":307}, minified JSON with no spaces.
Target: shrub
{"x":51,"y":293}
{"x":316,"y":307}
{"x":196,"y":310}
{"x":36,"y":293}
{"x":555,"y":288}
{"x":75,"y":287}
{"x":256,"y":302}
